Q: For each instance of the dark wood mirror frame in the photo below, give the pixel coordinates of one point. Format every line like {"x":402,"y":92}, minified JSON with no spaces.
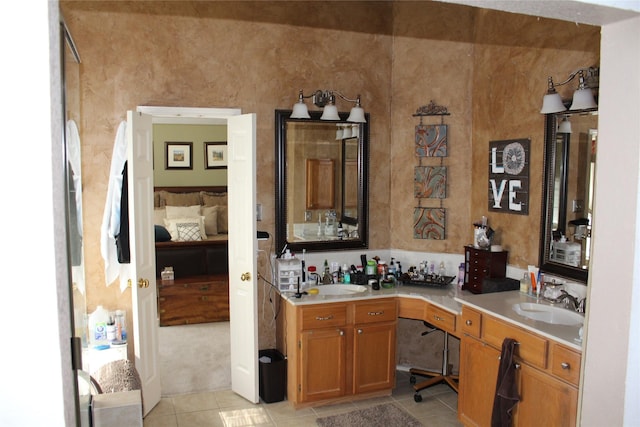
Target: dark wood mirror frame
{"x":281,"y":119}
{"x":550,"y":153}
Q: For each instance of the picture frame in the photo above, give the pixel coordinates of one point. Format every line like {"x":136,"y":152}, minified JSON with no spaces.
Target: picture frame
{"x":178,"y":155}
{"x":215,"y":155}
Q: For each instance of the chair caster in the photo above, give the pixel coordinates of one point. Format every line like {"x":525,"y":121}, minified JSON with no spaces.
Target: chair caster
{"x":412,"y":379}
{"x":417,"y":397}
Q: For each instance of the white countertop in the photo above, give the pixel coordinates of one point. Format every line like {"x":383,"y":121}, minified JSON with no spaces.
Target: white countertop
{"x":498,"y":304}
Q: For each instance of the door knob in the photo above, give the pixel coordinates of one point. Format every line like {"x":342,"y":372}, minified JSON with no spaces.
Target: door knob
{"x":245,"y":276}
{"x":143,"y":283}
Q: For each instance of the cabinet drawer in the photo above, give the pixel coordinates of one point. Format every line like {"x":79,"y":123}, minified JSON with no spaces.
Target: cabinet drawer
{"x":471,"y":321}
{"x":412,"y":308}
{"x":565,"y":363}
{"x":323,"y":316}
{"x":441,"y":319}
{"x":531,"y":348}
{"x":376,"y":311}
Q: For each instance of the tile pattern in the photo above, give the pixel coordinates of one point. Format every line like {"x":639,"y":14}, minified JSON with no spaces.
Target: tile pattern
{"x":225,"y":409}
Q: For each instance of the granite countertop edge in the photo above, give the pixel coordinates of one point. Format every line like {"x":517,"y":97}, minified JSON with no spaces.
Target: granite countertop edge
{"x":451,"y":299}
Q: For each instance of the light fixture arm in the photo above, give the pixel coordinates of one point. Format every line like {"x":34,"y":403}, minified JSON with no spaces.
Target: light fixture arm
{"x":320,"y":98}
{"x":588,"y":73}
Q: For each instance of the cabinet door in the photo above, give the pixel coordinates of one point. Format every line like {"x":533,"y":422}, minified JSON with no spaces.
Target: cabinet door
{"x":374,"y":357}
{"x":322,"y":364}
{"x":544,"y":400}
{"x":479,"y":365}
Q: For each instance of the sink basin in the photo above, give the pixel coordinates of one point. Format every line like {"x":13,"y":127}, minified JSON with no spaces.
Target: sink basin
{"x":548,"y":314}
{"x":339,"y":289}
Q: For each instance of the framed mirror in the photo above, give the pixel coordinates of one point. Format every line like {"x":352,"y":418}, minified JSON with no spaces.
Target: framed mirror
{"x":567,"y":214}
{"x":322,"y":175}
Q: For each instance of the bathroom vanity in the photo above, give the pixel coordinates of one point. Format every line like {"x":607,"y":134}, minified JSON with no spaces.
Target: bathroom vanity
{"x":342,"y":347}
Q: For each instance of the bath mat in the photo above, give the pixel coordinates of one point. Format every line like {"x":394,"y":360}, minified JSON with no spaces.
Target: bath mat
{"x":386,"y":415}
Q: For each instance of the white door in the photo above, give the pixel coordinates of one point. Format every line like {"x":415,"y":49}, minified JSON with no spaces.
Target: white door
{"x":143,"y":263}
{"x":243,"y":292}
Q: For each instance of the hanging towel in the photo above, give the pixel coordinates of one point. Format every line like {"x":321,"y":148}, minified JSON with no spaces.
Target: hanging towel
{"x":111,"y":217}
{"x":506,"y":396}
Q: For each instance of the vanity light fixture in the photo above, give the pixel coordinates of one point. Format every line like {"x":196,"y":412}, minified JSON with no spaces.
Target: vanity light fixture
{"x":582,"y":97}
{"x":564,"y":126}
{"x":327,"y":100}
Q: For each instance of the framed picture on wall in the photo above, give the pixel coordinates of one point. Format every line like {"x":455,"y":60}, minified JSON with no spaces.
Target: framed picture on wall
{"x":178,"y":155}
{"x":215,"y":155}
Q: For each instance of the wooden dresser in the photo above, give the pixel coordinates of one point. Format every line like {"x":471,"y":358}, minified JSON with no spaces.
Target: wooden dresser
{"x":194,"y":299}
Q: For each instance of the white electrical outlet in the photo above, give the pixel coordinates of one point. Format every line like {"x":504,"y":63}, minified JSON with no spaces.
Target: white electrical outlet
{"x":259,"y":212}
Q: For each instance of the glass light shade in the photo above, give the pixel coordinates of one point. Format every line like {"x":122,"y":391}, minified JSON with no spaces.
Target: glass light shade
{"x":300,"y":111}
{"x":357,"y":115}
{"x":552,"y":103}
{"x":330,"y":112}
{"x":346,"y":133}
{"x":564,"y":126}
{"x":583,"y":99}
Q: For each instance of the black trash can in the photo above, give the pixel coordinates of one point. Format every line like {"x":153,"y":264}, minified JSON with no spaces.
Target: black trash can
{"x":273,"y":375}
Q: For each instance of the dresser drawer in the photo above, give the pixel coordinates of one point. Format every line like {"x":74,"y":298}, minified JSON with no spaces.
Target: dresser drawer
{"x":410,"y":308}
{"x":441,"y":319}
{"x":565,"y":363}
{"x":384,"y":310}
{"x":323,"y":316}
{"x":471,"y":322}
{"x":530,"y":348}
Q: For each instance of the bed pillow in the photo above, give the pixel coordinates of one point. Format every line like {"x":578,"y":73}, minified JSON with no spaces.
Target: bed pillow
{"x":223,"y":219}
{"x":183,"y":211}
{"x":186,"y":229}
{"x":210,"y":214}
{"x":213,"y":199}
{"x":179,"y":199}
{"x":159,"y":214}
{"x":162,"y":234}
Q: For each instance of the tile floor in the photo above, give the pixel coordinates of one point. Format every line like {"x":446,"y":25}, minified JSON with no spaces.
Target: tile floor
{"x":226,"y":409}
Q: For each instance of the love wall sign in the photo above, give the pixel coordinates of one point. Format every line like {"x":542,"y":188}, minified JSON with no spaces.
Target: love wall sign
{"x":509,"y":176}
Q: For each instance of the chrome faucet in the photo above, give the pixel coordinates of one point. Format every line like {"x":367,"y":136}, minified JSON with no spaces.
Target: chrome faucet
{"x":572,"y":302}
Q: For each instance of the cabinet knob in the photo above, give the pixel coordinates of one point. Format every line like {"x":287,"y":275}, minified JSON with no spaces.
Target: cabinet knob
{"x":143,"y":283}
{"x":468,"y":322}
{"x":565,"y":365}
{"x":245,"y":276}
{"x":438,"y":318}
{"x":341,"y":332}
{"x":517,"y":366}
{"x":329,"y":317}
{"x":359,"y":331}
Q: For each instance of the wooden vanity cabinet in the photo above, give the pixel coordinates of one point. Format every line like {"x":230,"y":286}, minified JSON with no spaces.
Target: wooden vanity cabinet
{"x":322,"y":339}
{"x":547,"y":373}
{"x":374,"y":346}
{"x":338,"y":350}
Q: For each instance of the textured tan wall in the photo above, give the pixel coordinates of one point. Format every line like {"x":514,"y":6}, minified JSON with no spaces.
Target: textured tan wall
{"x":488,"y":68}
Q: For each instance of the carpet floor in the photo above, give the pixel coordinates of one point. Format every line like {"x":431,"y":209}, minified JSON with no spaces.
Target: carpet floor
{"x":386,"y":415}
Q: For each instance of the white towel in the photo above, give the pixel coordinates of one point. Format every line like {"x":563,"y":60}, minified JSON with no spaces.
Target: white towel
{"x":111,"y":217}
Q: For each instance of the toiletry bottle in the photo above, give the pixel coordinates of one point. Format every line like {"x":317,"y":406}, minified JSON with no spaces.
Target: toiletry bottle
{"x":392,"y":267}
{"x":461,"y":275}
{"x":441,"y":270}
{"x":111,"y":328}
{"x":399,"y":270}
{"x":524,"y":283}
{"x":326,"y":274}
{"x":346,"y":274}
